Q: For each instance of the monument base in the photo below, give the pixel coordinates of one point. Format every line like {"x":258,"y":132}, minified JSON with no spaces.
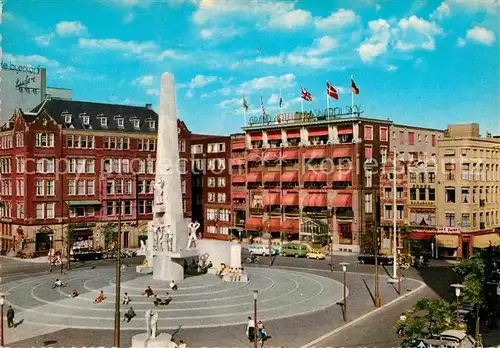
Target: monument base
{"x":168,"y":268}
{"x":163,"y":340}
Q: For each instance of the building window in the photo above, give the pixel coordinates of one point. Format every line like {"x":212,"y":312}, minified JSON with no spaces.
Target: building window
{"x":182,"y":145}
{"x":127,"y":187}
{"x":184,"y":205}
{"x":383,"y":155}
{"x":20,"y":165}
{"x":110,"y":187}
{"x":44,"y":140}
{"x":450,"y":220}
{"x":368,"y":132}
{"x":400,"y":212}
{"x":465,"y":195}
{"x":225,"y":215}
{"x":432,"y":177}
{"x":51,"y":210}
{"x":465,"y":220}
{"x":109,"y":208}
{"x":411,"y":138}
{"x":90,"y":187}
{"x":51,"y":188}
{"x":387,"y":192}
{"x":368,"y":178}
{"x":120,"y":122}
{"x":150,"y":166}
{"x":368,"y":203}
{"x":388,"y":212}
{"x":20,"y":188}
{"x":127,"y":208}
{"x":183,"y":186}
{"x":421,"y":177}
{"x":90,"y":163}
{"x":345,"y":234}
{"x":432,"y":195}
{"x":71,"y":187}
{"x":399,"y":193}
{"x":413,"y":178}
{"x":39,"y":187}
{"x":211,"y":214}
{"x":81,"y":187}
{"x":211,"y":229}
{"x":182,"y":166}
{"x":211,"y":196}
{"x":221,"y":182}
{"x":434,"y":140}
{"x":221,"y":163}
{"x":211,"y":182}
{"x":384,"y":134}
{"x":197,"y":149}
{"x":20,"y":210}
{"x":421,"y":194}
{"x":413,"y":194}
{"x":40,"y":211}
{"x":90,"y":211}
{"x":104,"y":122}
{"x":221,"y":197}
{"x":149,"y":207}
{"x":136,"y":123}
{"x":465,"y":171}
{"x":450,"y":195}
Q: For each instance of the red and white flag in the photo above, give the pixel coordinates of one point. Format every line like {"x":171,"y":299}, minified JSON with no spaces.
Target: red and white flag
{"x":305,"y":94}
{"x":331,"y":91}
{"x":262,"y":106}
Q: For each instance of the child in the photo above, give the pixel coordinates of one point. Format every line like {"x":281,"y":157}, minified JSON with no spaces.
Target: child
{"x":100,"y":298}
{"x":74,"y":293}
{"x":126,"y":299}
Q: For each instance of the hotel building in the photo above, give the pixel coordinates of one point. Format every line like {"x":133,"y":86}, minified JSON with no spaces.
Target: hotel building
{"x":469,"y":190}
{"x":307,"y":178}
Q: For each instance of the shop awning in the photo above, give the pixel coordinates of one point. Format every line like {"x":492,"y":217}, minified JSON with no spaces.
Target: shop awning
{"x":82,"y":203}
{"x":238,"y":145}
{"x":318,"y":132}
{"x":271,"y":177}
{"x":447,"y":241}
{"x":254,"y":177}
{"x":254,"y":156}
{"x":289,"y":154}
{"x":254,"y":224}
{"x":342,"y":175}
{"x":272,"y":198}
{"x":341,"y":152}
{"x":290,"y":199}
{"x":342,"y":200}
{"x":313,"y":176}
{"x":239,"y":195}
{"x":273,"y":225}
{"x":274,"y":135}
{"x":271,"y":156}
{"x":344,"y":130}
{"x":293,"y":133}
{"x":256,"y":136}
{"x":290,"y":226}
{"x":238,"y":179}
{"x":290,"y":177}
{"x":238,"y":162}
{"x":483,"y":241}
{"x":316,"y":153}
{"x":419,"y":235}
{"x":315,"y":200}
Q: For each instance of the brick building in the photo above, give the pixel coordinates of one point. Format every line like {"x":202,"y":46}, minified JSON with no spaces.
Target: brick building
{"x":72,"y":162}
{"x":308,"y":178}
{"x":211,"y":184}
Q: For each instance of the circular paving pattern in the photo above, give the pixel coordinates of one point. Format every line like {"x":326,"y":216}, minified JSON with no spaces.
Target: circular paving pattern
{"x":202,"y":301}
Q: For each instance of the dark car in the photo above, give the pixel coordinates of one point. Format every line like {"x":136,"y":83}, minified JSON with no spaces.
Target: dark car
{"x":370,"y":259}
{"x":87,"y":254}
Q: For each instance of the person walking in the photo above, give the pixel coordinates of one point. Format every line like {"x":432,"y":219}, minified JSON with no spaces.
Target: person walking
{"x":261,"y":333}
{"x":10,"y":317}
{"x":251,"y":329}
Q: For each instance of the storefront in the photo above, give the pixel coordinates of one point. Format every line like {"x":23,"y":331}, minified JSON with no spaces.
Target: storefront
{"x":422,"y":242}
{"x":485,"y":240}
{"x":448,"y":242}
{"x":44,"y":240}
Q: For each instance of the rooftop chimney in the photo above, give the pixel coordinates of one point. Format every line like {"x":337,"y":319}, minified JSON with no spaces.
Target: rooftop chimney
{"x":149,"y":106}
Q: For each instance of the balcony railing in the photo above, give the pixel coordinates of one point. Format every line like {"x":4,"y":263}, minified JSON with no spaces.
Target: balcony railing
{"x":344,"y":214}
{"x":256,"y":211}
{"x":316,"y":214}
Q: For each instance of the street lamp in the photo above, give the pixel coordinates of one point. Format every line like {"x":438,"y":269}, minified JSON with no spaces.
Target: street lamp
{"x":458,"y":288}
{"x":255,"y":330}
{"x":118,"y":278}
{"x":344,"y":269}
{"x":2,"y":302}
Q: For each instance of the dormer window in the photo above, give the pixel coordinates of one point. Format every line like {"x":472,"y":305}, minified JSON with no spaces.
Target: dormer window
{"x":136,"y":123}
{"x":120,"y":122}
{"x":67,"y":118}
{"x":152,"y":124}
{"x":104,"y":122}
{"x":86,"y":120}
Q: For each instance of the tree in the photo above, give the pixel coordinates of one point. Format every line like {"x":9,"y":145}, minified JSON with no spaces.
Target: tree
{"x":109,"y":232}
{"x":369,"y":242}
{"x":426,"y":319}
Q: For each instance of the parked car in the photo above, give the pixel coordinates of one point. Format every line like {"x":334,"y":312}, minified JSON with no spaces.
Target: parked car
{"x":316,"y":254}
{"x":370,"y":259}
{"x":262,"y":250}
{"x":86,"y":254}
{"x":294,"y":249}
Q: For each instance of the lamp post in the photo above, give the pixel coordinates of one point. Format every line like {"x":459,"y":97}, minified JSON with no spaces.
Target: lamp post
{"x":255,"y":330}
{"x":394,"y":221}
{"x":2,"y":302}
{"x":458,"y":288}
{"x":118,"y":278}
{"x":344,"y":269}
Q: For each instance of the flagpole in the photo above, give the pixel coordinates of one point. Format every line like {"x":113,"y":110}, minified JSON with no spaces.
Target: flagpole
{"x":244,"y":110}
{"x":352,"y":96}
{"x":302,"y":106}
{"x":327,"y":100}
{"x":281,"y":102}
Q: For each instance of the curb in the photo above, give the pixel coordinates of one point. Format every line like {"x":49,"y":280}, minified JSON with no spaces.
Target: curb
{"x":36,"y":260}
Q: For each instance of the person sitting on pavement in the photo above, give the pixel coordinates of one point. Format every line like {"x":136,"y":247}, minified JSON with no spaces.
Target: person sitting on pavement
{"x":100,"y":298}
{"x":74,"y":293}
{"x":57,"y":284}
{"x":148,"y":292}
{"x":129,"y":315}
{"x":162,"y":301}
{"x":220,"y":270}
{"x":126,"y":299}
{"x":182,"y":344}
{"x":239,"y":273}
{"x":173,"y":286}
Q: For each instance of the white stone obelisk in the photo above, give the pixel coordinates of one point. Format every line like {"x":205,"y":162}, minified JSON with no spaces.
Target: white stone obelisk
{"x":168,"y":232}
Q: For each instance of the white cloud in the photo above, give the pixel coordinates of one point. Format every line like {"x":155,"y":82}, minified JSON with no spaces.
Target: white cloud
{"x":441,"y":12}
{"x":268,"y":82}
{"x":481,"y":35}
{"x":308,"y":61}
{"x":200,"y":81}
{"x":273,"y":99}
{"x":378,"y":41}
{"x":34,"y":59}
{"x":133,"y":47}
{"x":322,"y":45}
{"x":146,"y":3}
{"x":230,"y":103}
{"x":44,"y":40}
{"x":378,"y":7}
{"x":220,"y":33}
{"x":491,"y":6}
{"x":391,"y":68}
{"x":461,"y":42}
{"x":420,"y":25}
{"x":416,"y":33}
{"x":172,"y":54}
{"x":130,"y":17}
{"x":289,"y":20}
{"x":153,"y":91}
{"x":66,"y":28}
{"x":271,"y":60}
{"x":146,"y":80}
{"x":338,"y":19}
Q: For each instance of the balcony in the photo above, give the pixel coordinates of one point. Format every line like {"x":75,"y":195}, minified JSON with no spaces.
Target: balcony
{"x":275,"y":210}
{"x":344,"y":214}
{"x":320,"y":214}
{"x":256,"y":211}
{"x":292,"y":211}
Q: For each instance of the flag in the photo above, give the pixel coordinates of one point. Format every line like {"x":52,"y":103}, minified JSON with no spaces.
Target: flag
{"x":245,"y":104}
{"x":262,"y":106}
{"x":331,"y":91}
{"x":354,"y":88}
{"x":305,"y":94}
{"x":281,"y":101}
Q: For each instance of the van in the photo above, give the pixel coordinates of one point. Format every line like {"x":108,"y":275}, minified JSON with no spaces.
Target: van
{"x":262,"y":250}
{"x":294,"y":249}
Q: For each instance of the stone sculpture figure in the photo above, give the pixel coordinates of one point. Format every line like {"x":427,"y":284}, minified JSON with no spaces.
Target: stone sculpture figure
{"x":151,"y":318}
{"x":143,"y":247}
{"x":193,"y":227}
{"x":159,"y":184}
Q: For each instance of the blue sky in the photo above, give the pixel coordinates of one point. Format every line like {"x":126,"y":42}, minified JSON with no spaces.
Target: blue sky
{"x":426,"y":63}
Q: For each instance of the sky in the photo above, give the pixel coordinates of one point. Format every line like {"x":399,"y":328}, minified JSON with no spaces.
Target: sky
{"x":424,"y":63}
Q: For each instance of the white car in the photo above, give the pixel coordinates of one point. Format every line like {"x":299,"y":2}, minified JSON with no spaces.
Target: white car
{"x":262,"y":250}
